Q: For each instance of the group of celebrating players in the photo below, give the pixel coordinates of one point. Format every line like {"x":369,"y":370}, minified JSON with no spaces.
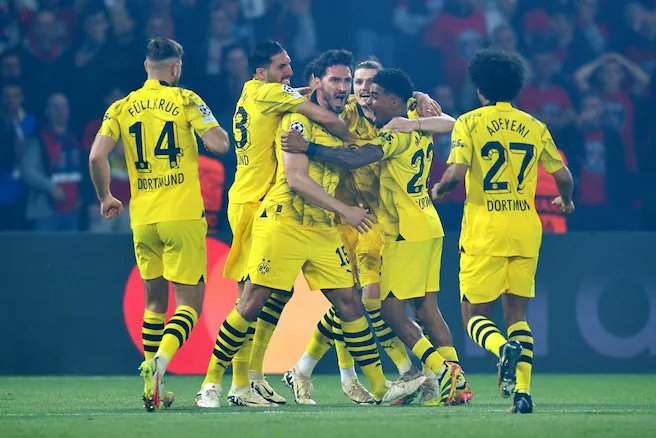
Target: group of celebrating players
{"x":332,"y":181}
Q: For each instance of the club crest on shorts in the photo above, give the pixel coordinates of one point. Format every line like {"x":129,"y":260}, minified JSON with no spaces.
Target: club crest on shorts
{"x":264,"y":268}
{"x":298,"y":127}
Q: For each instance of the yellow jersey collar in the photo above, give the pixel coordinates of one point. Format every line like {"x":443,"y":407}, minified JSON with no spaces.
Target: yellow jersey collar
{"x":501,"y":106}
{"x":154,"y":83}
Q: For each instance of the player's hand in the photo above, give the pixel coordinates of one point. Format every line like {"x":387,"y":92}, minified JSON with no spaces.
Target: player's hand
{"x":427,"y":106}
{"x":401,"y":124}
{"x":110,"y":207}
{"x":358,"y":218}
{"x":567,"y":208}
{"x":294,"y":142}
{"x":439,"y":197}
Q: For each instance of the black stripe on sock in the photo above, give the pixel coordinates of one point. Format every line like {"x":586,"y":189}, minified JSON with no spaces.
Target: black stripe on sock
{"x":150,"y":326}
{"x":363,"y":352}
{"x":228,"y":340}
{"x":233,"y":331}
{"x":251,"y":330}
{"x":527,"y":346}
{"x":268,"y":318}
{"x":273,"y":307}
{"x":221,"y":346}
{"x":520,"y":333}
{"x":150,"y":348}
{"x":185,"y":316}
{"x":324,"y":331}
{"x":373,"y":360}
{"x":485,"y":336}
{"x":221,"y":355}
{"x":359,"y":344}
{"x":175,"y":333}
{"x":483,"y":327}
{"x":148,"y":337}
{"x":526,"y":359}
{"x":182,"y":324}
{"x":472,"y":326}
{"x":387,"y":337}
{"x":427,"y":353}
{"x":364,"y":332}
{"x":279,"y":303}
{"x":375,"y":319}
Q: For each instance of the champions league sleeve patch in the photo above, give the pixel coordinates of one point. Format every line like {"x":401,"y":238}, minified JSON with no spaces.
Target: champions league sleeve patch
{"x":289,"y":89}
{"x":298,"y":127}
{"x":206,"y":112}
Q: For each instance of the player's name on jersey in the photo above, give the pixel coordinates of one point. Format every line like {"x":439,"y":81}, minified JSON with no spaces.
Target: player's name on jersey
{"x":160,"y":181}
{"x":242,"y":159}
{"x":154,"y":104}
{"x":507,"y":124}
{"x":508,"y":205}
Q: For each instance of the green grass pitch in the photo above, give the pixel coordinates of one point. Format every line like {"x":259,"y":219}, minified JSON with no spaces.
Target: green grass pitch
{"x":565,"y":405}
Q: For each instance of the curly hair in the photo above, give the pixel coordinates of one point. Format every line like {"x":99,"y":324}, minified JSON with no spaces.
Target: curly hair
{"x":498,"y":75}
{"x":395,"y":81}
{"x":330,"y":58}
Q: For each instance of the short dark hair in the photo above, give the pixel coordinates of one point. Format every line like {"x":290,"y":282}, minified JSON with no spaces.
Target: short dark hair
{"x":369,"y":64}
{"x":395,"y":81}
{"x":161,"y":48}
{"x":262,"y":53}
{"x":498,"y":75}
{"x":308,"y":71}
{"x":330,"y":58}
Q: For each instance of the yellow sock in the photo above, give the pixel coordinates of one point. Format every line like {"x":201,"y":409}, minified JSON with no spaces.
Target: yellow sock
{"x":391,"y":343}
{"x":428,"y":355}
{"x":231,"y":336}
{"x":486,"y":334}
{"x":448,"y":353}
{"x":344,"y":358}
{"x":177,"y":331}
{"x":151,"y":332}
{"x":322,"y":339}
{"x":264,"y":328}
{"x":361,"y":344}
{"x":520,"y":331}
{"x":241,"y":361}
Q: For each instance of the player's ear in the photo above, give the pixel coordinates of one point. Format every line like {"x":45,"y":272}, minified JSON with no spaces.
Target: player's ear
{"x":146,"y":62}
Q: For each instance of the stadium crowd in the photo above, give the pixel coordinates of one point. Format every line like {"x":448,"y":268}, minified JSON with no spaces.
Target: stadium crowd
{"x":62,"y":62}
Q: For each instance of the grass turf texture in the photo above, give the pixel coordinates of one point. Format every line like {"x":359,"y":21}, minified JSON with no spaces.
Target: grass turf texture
{"x":581,"y":405}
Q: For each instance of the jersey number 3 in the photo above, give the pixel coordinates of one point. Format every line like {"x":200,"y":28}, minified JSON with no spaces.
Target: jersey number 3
{"x":170,"y":152}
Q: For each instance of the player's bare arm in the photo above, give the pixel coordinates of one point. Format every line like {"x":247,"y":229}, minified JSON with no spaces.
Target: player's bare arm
{"x":216,"y":140}
{"x":453,"y":176}
{"x":565,"y":184}
{"x":436,"y":124}
{"x":426,"y":105}
{"x":294,"y":143}
{"x":326,"y":118}
{"x":296,"y":169}
{"x":110,"y":207}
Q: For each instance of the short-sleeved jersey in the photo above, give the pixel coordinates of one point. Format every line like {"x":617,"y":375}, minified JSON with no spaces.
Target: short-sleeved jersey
{"x":406,"y":210}
{"x":501,"y":146}
{"x":289,"y":205}
{"x":256,"y":120}
{"x":156,"y":124}
{"x":361,"y":186}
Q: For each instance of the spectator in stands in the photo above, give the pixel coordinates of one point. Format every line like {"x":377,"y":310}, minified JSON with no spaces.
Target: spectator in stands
{"x":504,"y":38}
{"x":610,"y":75}
{"x":12,"y":108}
{"x":52,"y":170}
{"x":553,"y":219}
{"x":591,"y":36}
{"x":299,"y":31}
{"x":12,"y":205}
{"x":228,"y":86}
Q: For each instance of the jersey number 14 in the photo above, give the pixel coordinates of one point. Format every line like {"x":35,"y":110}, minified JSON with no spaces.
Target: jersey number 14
{"x":164,"y":150}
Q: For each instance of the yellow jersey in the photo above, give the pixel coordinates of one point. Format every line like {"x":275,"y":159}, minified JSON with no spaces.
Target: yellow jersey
{"x":406,"y":210}
{"x":501,"y":146}
{"x":281,"y":199}
{"x":361,"y":186}
{"x":256,"y":120}
{"x":156,"y":124}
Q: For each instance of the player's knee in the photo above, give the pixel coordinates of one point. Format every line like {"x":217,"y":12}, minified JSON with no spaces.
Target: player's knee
{"x":250,"y":304}
{"x":349,"y":307}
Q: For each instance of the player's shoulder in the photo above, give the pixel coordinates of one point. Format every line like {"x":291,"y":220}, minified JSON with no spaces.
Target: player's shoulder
{"x":273,"y":90}
{"x":118,"y":106}
{"x":188,"y":96}
{"x":297,"y":122}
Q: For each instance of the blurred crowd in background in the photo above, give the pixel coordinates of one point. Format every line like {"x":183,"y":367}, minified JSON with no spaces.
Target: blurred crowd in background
{"x":62,"y":62}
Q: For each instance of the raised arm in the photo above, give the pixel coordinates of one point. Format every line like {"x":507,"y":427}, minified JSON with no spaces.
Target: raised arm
{"x":327,"y":119}
{"x":294,"y":143}
{"x":437,"y":124}
{"x":452,"y":177}
{"x":103,"y":145}
{"x":216,"y":140}
{"x":296,"y":169}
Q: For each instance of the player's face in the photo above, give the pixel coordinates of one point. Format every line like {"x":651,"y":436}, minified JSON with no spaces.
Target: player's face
{"x":280,"y":69}
{"x":335,"y":86}
{"x":362,"y":80}
{"x":381,"y":104}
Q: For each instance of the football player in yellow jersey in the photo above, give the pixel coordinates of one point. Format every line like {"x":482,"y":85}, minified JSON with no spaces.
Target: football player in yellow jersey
{"x":263,"y":101}
{"x":294,"y":231}
{"x":361,"y":187}
{"x":156,"y":124}
{"x":411,"y":228}
{"x":495,"y":150}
